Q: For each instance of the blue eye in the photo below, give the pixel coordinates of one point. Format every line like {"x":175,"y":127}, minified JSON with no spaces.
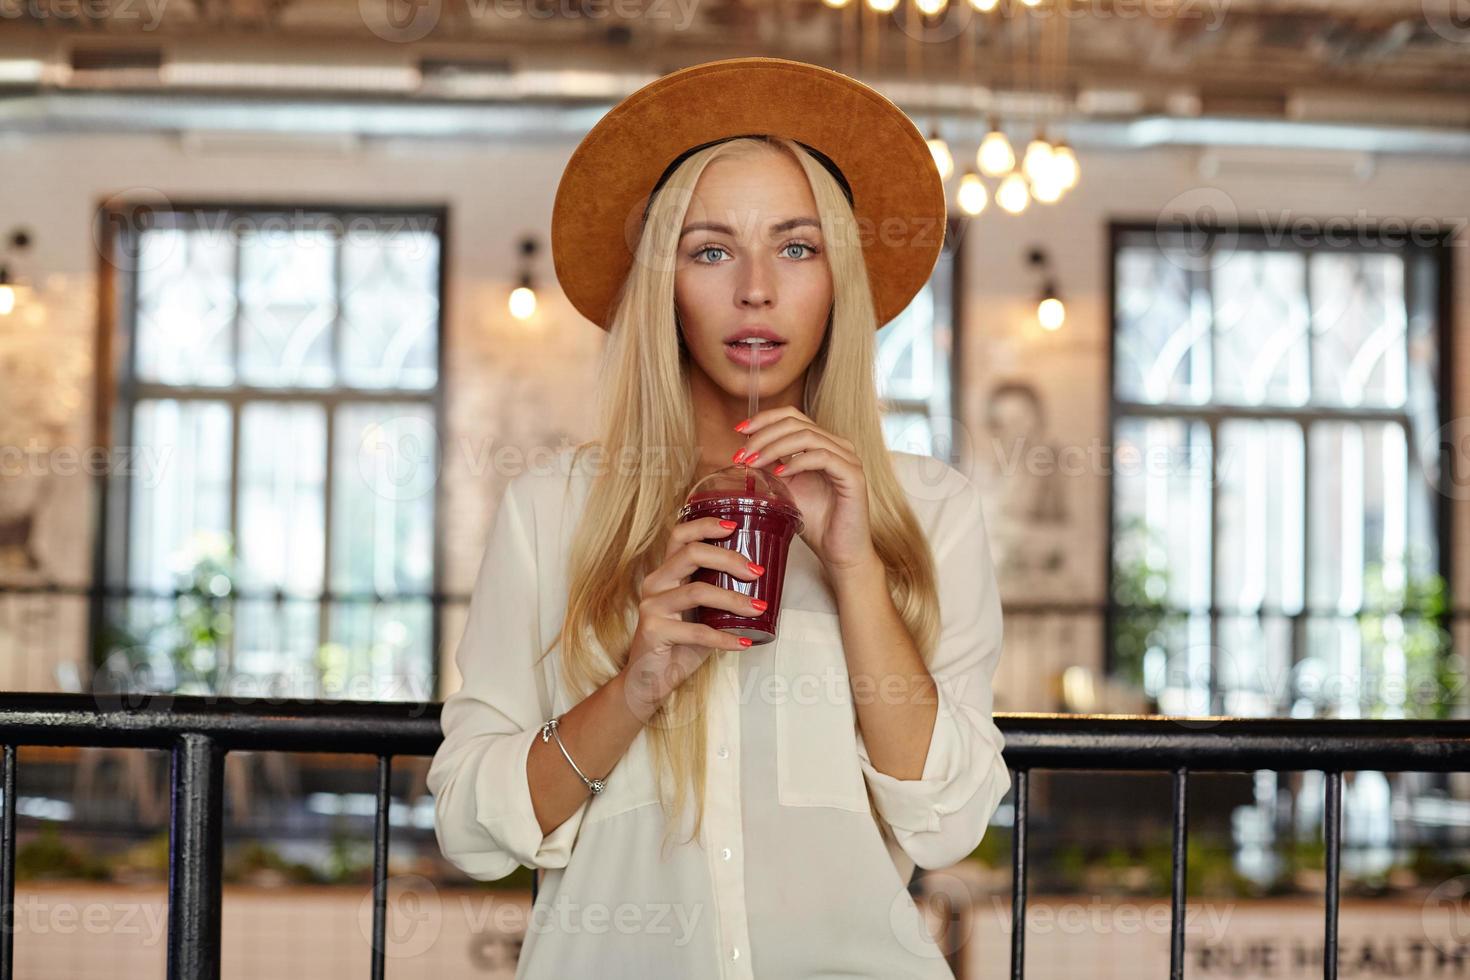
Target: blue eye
{"x":698,"y":254}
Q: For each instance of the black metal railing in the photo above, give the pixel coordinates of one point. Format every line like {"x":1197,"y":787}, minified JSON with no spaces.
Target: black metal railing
{"x":200,"y":731}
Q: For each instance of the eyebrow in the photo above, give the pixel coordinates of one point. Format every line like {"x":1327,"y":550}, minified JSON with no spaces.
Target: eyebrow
{"x":777,"y":228}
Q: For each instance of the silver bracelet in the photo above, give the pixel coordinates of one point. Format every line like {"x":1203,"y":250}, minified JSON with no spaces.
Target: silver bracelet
{"x":548,"y":730}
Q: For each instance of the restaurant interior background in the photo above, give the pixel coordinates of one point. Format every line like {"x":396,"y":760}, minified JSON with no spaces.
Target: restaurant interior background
{"x":278,"y":319}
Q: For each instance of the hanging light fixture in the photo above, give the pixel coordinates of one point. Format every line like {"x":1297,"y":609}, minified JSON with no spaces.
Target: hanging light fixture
{"x":1047,"y":190}
{"x":972,"y":195}
{"x":931,"y":8}
{"x":10,"y":285}
{"x":943,"y":159}
{"x":882,"y":6}
{"x":1051,"y":312}
{"x":995,"y":156}
{"x":1037,"y":162}
{"x":1012,"y":194}
{"x":984,"y":6}
{"x":523,"y":297}
{"x":1065,"y":168}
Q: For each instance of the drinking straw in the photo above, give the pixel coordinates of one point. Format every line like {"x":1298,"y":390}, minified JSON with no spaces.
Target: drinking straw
{"x":753,"y":397}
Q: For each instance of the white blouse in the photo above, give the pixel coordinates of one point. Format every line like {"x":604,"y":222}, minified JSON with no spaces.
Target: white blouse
{"x":792,"y":875}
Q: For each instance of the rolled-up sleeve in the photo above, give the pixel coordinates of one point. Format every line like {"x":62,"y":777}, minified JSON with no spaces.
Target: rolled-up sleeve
{"x":940,"y":818}
{"x":483,"y":817}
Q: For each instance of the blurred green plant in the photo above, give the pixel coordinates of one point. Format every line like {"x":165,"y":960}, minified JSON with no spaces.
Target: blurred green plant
{"x":994,"y":850}
{"x":146,"y":859}
{"x":1406,"y":636}
{"x":349,"y":856}
{"x":1141,"y":589}
{"x":48,"y":857}
{"x":202,"y":622}
{"x":193,"y":637}
{"x":254,"y":857}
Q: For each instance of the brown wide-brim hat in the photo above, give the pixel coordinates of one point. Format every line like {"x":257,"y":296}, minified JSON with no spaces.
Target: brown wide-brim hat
{"x":896,"y":189}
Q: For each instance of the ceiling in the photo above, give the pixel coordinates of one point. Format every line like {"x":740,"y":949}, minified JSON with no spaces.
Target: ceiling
{"x":1366,"y":65}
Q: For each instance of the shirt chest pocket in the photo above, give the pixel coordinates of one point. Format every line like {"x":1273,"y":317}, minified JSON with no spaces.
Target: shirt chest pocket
{"x":816,"y":741}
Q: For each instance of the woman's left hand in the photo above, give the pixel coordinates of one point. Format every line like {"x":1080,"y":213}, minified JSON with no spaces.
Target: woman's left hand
{"x":825,"y":475}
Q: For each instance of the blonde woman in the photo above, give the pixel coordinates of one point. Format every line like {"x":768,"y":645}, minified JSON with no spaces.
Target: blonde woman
{"x":697,"y":806}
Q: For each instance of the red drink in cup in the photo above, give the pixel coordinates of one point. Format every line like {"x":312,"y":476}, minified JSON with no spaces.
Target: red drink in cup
{"x":767,"y":519}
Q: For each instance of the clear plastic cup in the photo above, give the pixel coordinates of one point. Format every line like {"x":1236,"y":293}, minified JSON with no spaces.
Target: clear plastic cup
{"x":767,"y":520}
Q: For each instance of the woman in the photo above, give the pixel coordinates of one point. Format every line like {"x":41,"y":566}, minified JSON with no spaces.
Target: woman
{"x":702,"y":807}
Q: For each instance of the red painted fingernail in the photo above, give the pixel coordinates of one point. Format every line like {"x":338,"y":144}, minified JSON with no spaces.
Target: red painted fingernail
{"x":751,"y":458}
{"x":760,"y":604}
{"x":746,"y":641}
{"x":738,"y":454}
{"x":756,"y":569}
{"x":728,"y":524}
{"x":779,"y":468}
{"x":741,"y":427}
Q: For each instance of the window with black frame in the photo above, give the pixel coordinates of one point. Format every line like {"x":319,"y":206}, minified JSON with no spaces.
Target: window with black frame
{"x":278,"y":372}
{"x":915,"y":356}
{"x":1278,"y":540}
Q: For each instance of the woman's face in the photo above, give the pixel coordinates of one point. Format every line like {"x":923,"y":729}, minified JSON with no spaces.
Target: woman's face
{"x":751,"y":256}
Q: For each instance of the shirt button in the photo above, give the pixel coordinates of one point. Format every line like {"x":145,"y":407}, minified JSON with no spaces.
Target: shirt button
{"x":724,"y":752}
{"x":735,"y":953}
{"x":725,"y":854}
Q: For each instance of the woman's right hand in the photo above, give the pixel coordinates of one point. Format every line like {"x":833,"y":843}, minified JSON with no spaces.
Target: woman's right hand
{"x":667,"y":649}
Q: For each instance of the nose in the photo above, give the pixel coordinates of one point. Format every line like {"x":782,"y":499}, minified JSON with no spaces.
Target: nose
{"x":757,"y":286}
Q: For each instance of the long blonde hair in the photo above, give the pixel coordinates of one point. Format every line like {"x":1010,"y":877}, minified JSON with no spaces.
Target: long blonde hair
{"x":646,"y":411}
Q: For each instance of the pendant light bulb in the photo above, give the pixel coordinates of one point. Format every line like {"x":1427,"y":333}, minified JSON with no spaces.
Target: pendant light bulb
{"x":1012,"y":194}
{"x":995,"y":156}
{"x":1037,"y":162}
{"x":943,"y":159}
{"x":972,"y":195}
{"x":1065,"y":168}
{"x":1051,"y":313}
